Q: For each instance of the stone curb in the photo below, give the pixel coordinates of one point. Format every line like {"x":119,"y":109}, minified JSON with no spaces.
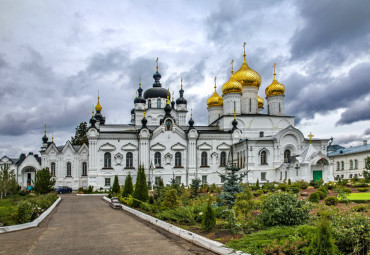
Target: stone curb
{"x":95,"y":194}
{"x":32,"y":224}
{"x":199,"y":240}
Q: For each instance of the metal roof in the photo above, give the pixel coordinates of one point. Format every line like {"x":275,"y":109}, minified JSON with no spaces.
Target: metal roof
{"x":350,"y":150}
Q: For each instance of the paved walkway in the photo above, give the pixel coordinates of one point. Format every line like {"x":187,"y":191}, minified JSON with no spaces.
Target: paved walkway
{"x":87,"y":225}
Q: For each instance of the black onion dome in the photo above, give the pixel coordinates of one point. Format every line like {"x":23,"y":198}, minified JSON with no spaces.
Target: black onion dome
{"x":45,"y":139}
{"x":133,"y":111}
{"x":181,"y":99}
{"x":155,"y":92}
{"x":139,"y":100}
{"x":157,"y":76}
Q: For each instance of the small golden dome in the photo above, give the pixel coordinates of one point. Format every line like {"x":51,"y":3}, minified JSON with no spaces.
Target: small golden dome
{"x":247,"y":76}
{"x":232,"y":85}
{"x":215,"y":99}
{"x":275,"y":88}
{"x":261,"y":102}
{"x":98,"y":106}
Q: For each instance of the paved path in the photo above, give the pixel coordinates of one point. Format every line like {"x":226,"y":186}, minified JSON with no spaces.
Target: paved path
{"x":87,"y":225}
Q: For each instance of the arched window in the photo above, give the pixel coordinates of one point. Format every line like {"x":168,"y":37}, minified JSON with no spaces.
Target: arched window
{"x":168,"y":125}
{"x":158,"y":103}
{"x":286,"y":156}
{"x":263,"y":158}
{"x":129,"y":159}
{"x":223,"y":159}
{"x":107,"y":160}
{"x":342,"y":165}
{"x":261,"y":134}
{"x":351,"y":164}
{"x":204,"y":159}
{"x":250,"y":105}
{"x":178,"y":159}
{"x":279,"y":108}
{"x":52,"y":169}
{"x":237,"y":160}
{"x":69,"y":169}
{"x":157,"y":159}
{"x":84,"y":169}
{"x":356,"y":164}
{"x":268,"y":109}
{"x":338,"y":166}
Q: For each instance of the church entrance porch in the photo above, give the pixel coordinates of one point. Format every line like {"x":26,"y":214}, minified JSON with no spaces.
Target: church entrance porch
{"x":28,"y":176}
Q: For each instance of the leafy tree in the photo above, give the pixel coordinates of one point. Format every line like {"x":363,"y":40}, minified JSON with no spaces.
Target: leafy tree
{"x":194,"y":187}
{"x":115,"y":188}
{"x":231,"y":185}
{"x":141,"y":188}
{"x":209,"y":218}
{"x":284,"y":209}
{"x":44,"y":182}
{"x":322,"y":243}
{"x":8,"y":182}
{"x":128,"y":188}
{"x":366,"y":173}
{"x":80,"y":135}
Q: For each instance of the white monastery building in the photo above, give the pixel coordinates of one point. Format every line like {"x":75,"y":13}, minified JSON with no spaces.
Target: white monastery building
{"x":242,"y":129}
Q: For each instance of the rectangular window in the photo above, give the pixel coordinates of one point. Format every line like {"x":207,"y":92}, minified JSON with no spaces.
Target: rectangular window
{"x":263,"y":176}
{"x":69,"y":169}
{"x":52,"y":172}
{"x":222,"y":179}
{"x":204,"y":179}
{"x":107,"y":182}
{"x":84,"y":169}
{"x":178,"y":179}
{"x":157,"y":180}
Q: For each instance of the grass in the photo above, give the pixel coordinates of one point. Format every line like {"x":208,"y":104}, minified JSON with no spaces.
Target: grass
{"x":7,"y":207}
{"x":358,"y":196}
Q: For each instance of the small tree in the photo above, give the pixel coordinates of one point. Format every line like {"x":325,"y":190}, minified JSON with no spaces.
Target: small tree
{"x":231,"y":185}
{"x":80,"y":135}
{"x":128,"y":188}
{"x":322,"y":243}
{"x":115,"y":188}
{"x":44,"y":182}
{"x":209,"y":218}
{"x":194,"y":187}
{"x":366,"y":173}
{"x":170,"y":199}
{"x":158,"y":189}
{"x":141,"y":188}
{"x":8,"y":182}
{"x":244,"y":203}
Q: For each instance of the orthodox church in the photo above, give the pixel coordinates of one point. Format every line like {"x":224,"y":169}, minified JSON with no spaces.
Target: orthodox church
{"x":242,"y":129}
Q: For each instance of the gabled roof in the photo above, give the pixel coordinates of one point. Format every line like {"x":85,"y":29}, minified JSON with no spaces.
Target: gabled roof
{"x":350,"y":150}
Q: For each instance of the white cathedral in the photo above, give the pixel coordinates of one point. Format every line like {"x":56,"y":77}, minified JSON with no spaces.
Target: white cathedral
{"x":259,"y":139}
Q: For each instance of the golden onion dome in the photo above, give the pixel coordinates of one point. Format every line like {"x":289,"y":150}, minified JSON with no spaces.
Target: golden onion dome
{"x":261,"y":102}
{"x":247,"y":76}
{"x":215,"y":99}
{"x":275,"y":88}
{"x":98,"y":106}
{"x":232,"y":85}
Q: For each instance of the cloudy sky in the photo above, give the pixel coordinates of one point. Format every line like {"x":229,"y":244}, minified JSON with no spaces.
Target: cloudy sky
{"x":56,"y":55}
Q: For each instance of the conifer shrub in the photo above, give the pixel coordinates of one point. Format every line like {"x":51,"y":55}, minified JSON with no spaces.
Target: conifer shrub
{"x":209,"y":218}
{"x":115,"y":188}
{"x":258,"y":192}
{"x":141,"y":189}
{"x":231,"y":186}
{"x":283,"y":209}
{"x":324,"y":190}
{"x":44,"y":182}
{"x":331,"y":201}
{"x":194,"y":187}
{"x":314,"y":197}
{"x":170,"y":199}
{"x":321,"y":194}
{"x":303,"y":184}
{"x":128,"y":188}
{"x":362,"y":189}
{"x":258,"y":184}
{"x":289,"y":182}
{"x":322,"y":243}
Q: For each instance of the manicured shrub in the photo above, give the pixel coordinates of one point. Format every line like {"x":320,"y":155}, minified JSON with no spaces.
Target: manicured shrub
{"x":289,"y":182}
{"x":324,"y":190}
{"x":282,"y":186}
{"x":331,"y":201}
{"x":283,"y":209}
{"x":170,"y":199}
{"x":141,"y":189}
{"x":90,"y":189}
{"x":24,"y":212}
{"x":128,"y":188}
{"x":44,"y":182}
{"x":209,"y":219}
{"x":314,"y":197}
{"x":244,"y":203}
{"x":194,"y":187}
{"x":321,"y":194}
{"x":258,"y":193}
{"x":258,"y":184}
{"x":362,"y":189}
{"x":330,"y":185}
{"x":347,"y":190}
{"x":115,"y":188}
{"x":294,"y":189}
{"x":359,"y":208}
{"x":302,"y":184}
{"x":322,"y":243}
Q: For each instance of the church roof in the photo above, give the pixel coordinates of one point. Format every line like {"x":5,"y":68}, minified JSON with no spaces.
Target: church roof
{"x":350,"y":150}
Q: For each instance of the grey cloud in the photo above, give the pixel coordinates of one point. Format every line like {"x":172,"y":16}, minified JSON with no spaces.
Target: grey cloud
{"x":357,"y":112}
{"x":332,"y":27}
{"x":345,"y":140}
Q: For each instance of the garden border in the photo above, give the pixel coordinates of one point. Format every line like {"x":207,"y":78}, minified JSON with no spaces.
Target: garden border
{"x":92,"y":194}
{"x":199,"y":240}
{"x":32,"y":224}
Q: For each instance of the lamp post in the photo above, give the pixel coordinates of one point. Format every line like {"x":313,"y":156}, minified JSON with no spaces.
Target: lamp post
{"x":246,"y":142}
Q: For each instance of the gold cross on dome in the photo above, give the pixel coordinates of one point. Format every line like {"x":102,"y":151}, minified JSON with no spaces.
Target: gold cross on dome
{"x":232,"y":66}
{"x":215,"y":82}
{"x":157,"y":64}
{"x":244,"y":46}
{"x":274,"y":67}
{"x":310,"y":136}
{"x":45,"y":130}
{"x":181,"y":82}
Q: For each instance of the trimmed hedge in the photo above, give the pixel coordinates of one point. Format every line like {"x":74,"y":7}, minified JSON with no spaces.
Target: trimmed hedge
{"x":331,"y":201}
{"x":314,"y":197}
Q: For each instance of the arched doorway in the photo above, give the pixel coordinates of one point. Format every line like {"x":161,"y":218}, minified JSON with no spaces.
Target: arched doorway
{"x":320,"y":169}
{"x":28,"y":176}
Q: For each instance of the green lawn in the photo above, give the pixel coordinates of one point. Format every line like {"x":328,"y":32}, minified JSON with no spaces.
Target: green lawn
{"x":7,"y":207}
{"x":358,"y":196}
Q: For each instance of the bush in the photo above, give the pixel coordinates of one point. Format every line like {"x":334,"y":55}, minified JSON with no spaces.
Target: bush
{"x":258,"y":193}
{"x":359,"y":208}
{"x":44,"y":182}
{"x":324,"y":190}
{"x":347,"y":190}
{"x":128,"y":188}
{"x":141,"y":189}
{"x":294,"y":189}
{"x":90,"y":189}
{"x":170,"y":199}
{"x":282,"y":186}
{"x":314,"y":197}
{"x":283,"y":209}
{"x":194,"y":187}
{"x":362,"y":189}
{"x":209,"y":219}
{"x":331,"y":201}
{"x":360,"y":185}
{"x":321,"y":194}
{"x":302,"y":184}
{"x":322,"y":243}
{"x":115,"y":188}
{"x":330,"y":185}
